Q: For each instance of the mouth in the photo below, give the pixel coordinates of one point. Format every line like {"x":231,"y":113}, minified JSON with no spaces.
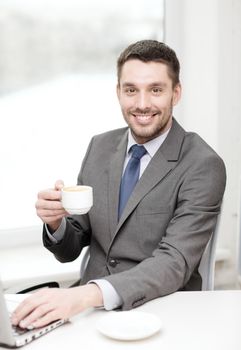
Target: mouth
{"x":144,"y":119}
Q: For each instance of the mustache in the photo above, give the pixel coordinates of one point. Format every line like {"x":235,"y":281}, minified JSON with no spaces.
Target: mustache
{"x":144,"y":111}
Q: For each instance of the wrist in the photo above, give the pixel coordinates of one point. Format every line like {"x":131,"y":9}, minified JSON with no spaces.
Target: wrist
{"x":53,"y":226}
{"x":94,"y":297}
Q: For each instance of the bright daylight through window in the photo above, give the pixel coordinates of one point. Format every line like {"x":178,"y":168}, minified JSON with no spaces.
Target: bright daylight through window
{"x":57,"y":88}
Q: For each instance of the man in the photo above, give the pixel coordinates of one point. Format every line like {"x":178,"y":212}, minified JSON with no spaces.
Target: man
{"x":144,"y":242}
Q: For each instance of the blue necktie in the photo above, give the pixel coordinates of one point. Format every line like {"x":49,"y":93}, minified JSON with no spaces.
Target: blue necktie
{"x":130,"y":176}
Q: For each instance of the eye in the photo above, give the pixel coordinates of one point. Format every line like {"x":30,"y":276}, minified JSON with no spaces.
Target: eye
{"x":157,"y":90}
{"x":130,"y":90}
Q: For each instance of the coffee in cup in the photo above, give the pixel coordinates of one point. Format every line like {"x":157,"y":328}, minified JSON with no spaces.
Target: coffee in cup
{"x":77,"y":199}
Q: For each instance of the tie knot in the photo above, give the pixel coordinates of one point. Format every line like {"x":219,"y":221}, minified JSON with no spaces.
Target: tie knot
{"x":138,"y":151}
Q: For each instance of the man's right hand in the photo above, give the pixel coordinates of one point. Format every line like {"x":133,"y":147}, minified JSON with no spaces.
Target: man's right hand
{"x":49,"y":207}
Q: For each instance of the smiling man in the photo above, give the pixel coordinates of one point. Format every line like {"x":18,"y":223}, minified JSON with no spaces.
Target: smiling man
{"x":157,"y":194}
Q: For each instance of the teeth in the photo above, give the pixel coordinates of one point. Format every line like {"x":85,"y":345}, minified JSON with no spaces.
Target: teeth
{"x":145,"y":117}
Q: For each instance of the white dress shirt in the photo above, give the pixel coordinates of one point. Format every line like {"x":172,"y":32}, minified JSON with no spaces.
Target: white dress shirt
{"x":111,"y":298}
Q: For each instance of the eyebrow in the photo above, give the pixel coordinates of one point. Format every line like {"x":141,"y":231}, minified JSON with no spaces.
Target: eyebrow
{"x":156,"y":83}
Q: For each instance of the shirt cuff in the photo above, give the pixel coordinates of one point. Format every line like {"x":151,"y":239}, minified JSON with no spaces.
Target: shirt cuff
{"x":111,"y":298}
{"x":58,"y":235}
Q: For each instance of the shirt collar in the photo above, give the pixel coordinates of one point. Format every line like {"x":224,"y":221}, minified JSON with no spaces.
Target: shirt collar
{"x":151,"y":146}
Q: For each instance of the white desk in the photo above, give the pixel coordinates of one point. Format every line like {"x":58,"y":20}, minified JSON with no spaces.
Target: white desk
{"x":191,"y":321}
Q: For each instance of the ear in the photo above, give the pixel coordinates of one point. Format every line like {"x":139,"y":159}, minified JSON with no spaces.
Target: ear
{"x":177,"y":93}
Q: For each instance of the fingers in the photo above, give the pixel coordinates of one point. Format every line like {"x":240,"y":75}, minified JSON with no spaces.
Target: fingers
{"x":53,"y":222}
{"x":35,"y":311}
{"x":59,"y":184}
{"x":41,"y":316}
{"x":49,"y":210}
{"x":48,"y":205}
{"x":50,"y":195}
{"x":21,"y":316}
{"x":46,"y":319}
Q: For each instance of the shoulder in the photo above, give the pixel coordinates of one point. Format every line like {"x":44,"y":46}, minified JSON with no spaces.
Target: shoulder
{"x":199,"y":148}
{"x":203,"y":163}
{"x":192,"y":142}
{"x":195,"y":153}
{"x":111,"y":134}
{"x":103,"y":146}
{"x":188,"y":147}
{"x":110,"y":139}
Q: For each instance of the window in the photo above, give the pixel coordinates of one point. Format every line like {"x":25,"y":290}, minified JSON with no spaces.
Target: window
{"x":57,"y":88}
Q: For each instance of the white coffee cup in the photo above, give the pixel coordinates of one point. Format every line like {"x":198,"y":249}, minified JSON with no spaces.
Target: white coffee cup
{"x":77,"y":199}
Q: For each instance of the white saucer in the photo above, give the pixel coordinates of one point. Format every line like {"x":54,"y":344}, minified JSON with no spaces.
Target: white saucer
{"x":129,"y":325}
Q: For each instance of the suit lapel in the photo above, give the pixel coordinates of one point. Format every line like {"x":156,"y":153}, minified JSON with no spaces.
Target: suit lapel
{"x":161,"y":164}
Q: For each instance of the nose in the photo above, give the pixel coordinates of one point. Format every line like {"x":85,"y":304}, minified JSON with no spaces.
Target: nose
{"x":143,"y":101}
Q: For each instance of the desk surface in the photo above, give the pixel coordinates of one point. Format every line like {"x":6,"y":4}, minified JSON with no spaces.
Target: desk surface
{"x":191,"y":321}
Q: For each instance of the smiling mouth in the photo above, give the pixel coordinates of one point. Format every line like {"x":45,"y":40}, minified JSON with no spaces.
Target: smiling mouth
{"x":144,"y":118}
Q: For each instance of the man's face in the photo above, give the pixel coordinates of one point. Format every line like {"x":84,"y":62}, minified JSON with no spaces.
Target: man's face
{"x":146,"y":97}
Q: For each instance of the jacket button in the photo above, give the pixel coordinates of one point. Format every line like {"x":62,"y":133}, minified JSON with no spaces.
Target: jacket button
{"x":112,"y":262}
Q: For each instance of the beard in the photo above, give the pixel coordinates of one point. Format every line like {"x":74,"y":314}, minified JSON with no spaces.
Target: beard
{"x":142,"y":133}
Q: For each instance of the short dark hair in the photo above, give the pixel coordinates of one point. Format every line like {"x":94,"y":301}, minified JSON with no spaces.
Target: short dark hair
{"x":151,"y":50}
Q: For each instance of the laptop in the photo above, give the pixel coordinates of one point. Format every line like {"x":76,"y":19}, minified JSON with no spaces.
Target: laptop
{"x":12,"y":336}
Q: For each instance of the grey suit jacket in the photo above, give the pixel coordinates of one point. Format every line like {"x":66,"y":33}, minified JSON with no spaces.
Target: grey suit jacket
{"x":156,"y":246}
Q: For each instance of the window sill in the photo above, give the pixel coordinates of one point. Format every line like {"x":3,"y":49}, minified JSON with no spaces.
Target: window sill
{"x":20,"y":236}
{"x":33,"y":264}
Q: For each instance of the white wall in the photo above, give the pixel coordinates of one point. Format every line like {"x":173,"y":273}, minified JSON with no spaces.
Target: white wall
{"x":207,"y":37}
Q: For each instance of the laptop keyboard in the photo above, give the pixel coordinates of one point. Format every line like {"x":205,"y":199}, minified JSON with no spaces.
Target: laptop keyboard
{"x":18,"y":330}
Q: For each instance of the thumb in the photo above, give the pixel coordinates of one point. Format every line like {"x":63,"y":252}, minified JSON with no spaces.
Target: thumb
{"x":59,"y":184}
